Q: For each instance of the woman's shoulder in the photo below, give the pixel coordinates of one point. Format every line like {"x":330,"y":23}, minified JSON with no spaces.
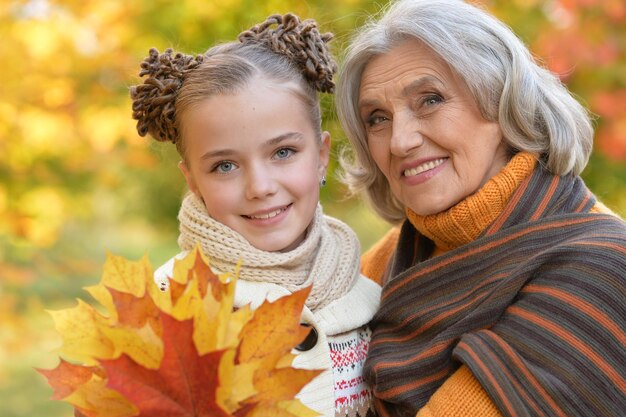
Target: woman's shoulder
{"x":600,"y":208}
{"x":374,"y":260}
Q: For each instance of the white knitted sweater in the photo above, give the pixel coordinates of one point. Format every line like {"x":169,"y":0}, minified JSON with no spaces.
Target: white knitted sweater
{"x":339,"y":307}
{"x":343,"y":340}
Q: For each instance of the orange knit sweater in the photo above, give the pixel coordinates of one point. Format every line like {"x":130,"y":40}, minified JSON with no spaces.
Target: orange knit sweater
{"x":461,"y":395}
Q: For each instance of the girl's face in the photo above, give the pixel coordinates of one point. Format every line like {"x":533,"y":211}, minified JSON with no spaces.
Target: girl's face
{"x":255,"y":160}
{"x":424,"y":129}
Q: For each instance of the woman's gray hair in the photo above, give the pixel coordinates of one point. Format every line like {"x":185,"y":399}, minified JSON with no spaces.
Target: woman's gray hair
{"x":534,"y":109}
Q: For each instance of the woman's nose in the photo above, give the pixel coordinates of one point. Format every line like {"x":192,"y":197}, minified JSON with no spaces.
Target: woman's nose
{"x":260,"y":183}
{"x":406,"y":134}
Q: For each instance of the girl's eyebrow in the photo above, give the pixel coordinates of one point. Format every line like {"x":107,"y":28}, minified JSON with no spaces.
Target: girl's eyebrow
{"x":268,"y":143}
{"x":285,"y":136}
{"x":217,"y":154}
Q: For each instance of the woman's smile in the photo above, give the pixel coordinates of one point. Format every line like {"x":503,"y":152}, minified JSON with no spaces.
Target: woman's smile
{"x":424,"y":130}
{"x":423,"y":167}
{"x":424,"y":171}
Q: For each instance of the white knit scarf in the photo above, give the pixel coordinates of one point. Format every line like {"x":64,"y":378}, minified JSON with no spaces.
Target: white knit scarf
{"x":328,"y":258}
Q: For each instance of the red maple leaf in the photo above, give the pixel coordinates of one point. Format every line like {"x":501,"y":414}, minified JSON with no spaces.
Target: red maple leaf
{"x":184,"y":385}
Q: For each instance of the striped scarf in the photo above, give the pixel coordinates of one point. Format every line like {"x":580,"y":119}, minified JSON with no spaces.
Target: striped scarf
{"x":535,"y":307}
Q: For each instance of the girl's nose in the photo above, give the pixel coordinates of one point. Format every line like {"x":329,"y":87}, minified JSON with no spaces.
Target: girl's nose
{"x":260,"y":183}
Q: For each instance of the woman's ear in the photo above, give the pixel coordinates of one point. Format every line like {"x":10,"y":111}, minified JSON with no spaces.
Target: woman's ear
{"x":324,"y":154}
{"x":188,"y":178}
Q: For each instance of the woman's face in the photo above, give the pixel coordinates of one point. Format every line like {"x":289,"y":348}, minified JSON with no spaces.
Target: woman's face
{"x":424,"y":129}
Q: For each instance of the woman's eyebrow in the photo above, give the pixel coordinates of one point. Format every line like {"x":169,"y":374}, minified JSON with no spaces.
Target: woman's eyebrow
{"x":419,"y":84}
{"x":407,"y":91}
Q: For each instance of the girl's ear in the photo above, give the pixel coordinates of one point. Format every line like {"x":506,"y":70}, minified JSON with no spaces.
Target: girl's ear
{"x":324,"y":154}
{"x":188,"y":178}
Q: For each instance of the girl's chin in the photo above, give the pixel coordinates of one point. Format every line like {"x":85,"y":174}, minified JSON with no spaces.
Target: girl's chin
{"x":277,"y":246}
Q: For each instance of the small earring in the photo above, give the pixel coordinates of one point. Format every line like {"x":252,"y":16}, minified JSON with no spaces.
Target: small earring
{"x":323,"y":181}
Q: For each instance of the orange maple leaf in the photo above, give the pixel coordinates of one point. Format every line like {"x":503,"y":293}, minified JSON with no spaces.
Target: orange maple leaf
{"x":66,"y":377}
{"x":268,"y":333}
{"x":135,"y":312}
{"x":185,"y":352}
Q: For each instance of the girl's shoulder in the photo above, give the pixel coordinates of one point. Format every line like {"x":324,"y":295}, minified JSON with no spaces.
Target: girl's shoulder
{"x":248,"y":292}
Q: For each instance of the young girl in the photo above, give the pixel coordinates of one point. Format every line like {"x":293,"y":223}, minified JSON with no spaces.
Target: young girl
{"x":246,"y":120}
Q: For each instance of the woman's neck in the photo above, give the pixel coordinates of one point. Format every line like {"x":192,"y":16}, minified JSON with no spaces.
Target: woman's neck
{"x":465,"y":221}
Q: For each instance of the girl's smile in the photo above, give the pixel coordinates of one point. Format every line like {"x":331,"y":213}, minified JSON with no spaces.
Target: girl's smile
{"x":259,"y":162}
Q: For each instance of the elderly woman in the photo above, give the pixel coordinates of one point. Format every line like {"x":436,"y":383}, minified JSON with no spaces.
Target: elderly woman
{"x":504,"y":287}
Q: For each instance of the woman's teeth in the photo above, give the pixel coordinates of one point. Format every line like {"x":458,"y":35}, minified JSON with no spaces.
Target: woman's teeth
{"x":424,"y":167}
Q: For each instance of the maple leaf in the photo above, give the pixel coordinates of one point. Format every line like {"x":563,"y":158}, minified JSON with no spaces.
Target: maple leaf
{"x":184,"y":352}
{"x":66,"y":377}
{"x":135,"y":311}
{"x":95,"y":399}
{"x":80,"y":328}
{"x":84,"y":388}
{"x":267,"y":333}
{"x":184,"y":384}
{"x":261,"y":367}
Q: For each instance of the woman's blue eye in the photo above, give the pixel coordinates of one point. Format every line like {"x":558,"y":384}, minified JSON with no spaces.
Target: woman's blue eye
{"x":224,"y":167}
{"x":375,"y":119}
{"x":432,"y":99}
{"x":284,"y":153}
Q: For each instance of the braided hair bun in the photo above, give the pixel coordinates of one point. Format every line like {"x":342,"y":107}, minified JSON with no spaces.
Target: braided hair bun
{"x":301,"y":42}
{"x":153,"y":101}
{"x":158,"y":101}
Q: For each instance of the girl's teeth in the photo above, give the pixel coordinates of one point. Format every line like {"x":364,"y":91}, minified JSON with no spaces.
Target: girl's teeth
{"x":424,"y":167}
{"x":268,"y":215}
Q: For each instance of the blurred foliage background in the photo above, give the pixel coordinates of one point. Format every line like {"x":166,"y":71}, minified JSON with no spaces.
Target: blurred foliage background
{"x":77,"y":181}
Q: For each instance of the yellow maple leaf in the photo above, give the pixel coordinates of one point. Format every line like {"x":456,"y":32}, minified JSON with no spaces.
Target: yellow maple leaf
{"x":185,"y":351}
{"x":80,"y":329}
{"x":143,"y":345}
{"x":127,"y":276}
{"x":95,"y":399}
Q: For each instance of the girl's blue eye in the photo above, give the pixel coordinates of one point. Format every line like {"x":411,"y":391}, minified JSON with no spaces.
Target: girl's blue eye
{"x":283,"y":153}
{"x":224,"y":167}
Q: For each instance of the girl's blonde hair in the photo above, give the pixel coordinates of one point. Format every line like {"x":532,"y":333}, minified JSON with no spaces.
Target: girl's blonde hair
{"x":282,"y":48}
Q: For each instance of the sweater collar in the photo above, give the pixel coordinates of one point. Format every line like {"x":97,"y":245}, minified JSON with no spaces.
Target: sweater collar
{"x":465,"y":221}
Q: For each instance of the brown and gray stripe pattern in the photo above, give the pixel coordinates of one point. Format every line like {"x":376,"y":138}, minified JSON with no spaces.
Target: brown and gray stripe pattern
{"x":536,"y":308}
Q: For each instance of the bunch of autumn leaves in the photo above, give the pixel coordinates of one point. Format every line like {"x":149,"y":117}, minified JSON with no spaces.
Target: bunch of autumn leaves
{"x":183,"y":352}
